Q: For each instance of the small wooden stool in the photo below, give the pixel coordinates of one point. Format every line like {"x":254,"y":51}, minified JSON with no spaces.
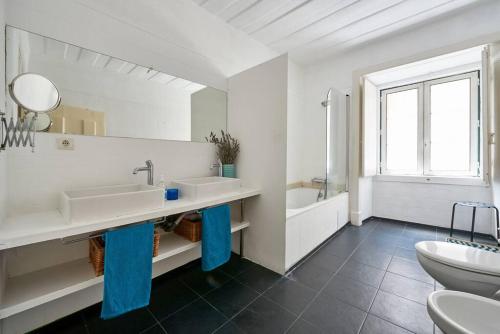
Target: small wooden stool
{"x":474,"y":206}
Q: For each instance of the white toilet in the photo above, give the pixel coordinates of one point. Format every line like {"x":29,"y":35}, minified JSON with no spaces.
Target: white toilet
{"x":461,"y":268}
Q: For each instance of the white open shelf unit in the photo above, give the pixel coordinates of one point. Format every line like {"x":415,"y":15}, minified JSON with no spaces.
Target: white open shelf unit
{"x":36,"y":288}
{"x":32,"y":228}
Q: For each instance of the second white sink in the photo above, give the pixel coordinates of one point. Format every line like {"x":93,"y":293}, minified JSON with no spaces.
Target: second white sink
{"x":202,"y":187}
{"x":91,"y":204}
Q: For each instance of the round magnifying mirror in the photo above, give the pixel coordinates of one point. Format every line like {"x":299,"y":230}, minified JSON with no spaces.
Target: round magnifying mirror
{"x":34,"y":92}
{"x":42,"y":122}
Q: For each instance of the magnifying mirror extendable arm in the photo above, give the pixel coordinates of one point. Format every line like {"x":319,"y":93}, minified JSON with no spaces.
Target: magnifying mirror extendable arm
{"x":17,"y":133}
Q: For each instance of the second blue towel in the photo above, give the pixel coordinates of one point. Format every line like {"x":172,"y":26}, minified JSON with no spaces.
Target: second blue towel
{"x":127,"y":269}
{"x":215,"y":237}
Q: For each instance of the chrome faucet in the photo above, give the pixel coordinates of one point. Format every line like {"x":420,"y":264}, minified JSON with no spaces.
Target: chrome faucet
{"x":322,"y":188}
{"x":148,"y":168}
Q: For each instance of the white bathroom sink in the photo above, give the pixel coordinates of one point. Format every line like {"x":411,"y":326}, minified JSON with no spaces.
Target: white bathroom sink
{"x":91,"y":204}
{"x":457,"y":312}
{"x":202,"y":187}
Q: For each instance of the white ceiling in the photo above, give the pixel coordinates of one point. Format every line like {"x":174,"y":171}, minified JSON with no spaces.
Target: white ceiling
{"x":310,"y":30}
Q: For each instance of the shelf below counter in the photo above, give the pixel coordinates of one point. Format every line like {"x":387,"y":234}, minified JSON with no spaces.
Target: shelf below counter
{"x":36,"y":288}
{"x":38,"y":227}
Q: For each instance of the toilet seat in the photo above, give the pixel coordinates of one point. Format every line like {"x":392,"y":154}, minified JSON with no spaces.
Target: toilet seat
{"x":460,"y":256}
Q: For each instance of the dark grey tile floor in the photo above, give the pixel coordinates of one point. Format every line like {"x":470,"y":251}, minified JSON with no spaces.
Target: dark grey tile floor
{"x":364,"y":280}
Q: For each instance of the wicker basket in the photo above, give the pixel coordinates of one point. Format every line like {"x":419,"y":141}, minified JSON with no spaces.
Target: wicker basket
{"x":96,"y":252}
{"x":189,"y":229}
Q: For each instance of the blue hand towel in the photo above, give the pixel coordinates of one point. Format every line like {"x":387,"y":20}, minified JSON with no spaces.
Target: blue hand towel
{"x":215,"y":237}
{"x":127,"y":269}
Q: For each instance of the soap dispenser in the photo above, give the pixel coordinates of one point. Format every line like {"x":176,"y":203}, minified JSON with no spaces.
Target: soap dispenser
{"x":162,"y":184}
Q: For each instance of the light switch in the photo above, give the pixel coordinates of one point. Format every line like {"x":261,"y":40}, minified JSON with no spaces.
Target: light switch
{"x":65,"y":144}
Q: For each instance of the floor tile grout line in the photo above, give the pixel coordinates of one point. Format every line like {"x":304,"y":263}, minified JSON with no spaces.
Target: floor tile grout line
{"x":179,"y":309}
{"x":329,"y":280}
{"x":402,"y":297}
{"x":377,"y":292}
{"x":238,"y":274}
{"x":263,"y":294}
{"x":310,"y":323}
{"x":389,"y":321}
{"x":157,"y":321}
{"x":200,"y":296}
{"x":363,"y":323}
{"x":260,"y":294}
{"x":378,"y":289}
{"x":373,"y":300}
{"x":383,"y":291}
{"x":278,"y":304}
{"x":148,"y":328}
{"x":228,"y":319}
{"x":409,"y":277}
{"x":298,"y":283}
{"x":236,"y":314}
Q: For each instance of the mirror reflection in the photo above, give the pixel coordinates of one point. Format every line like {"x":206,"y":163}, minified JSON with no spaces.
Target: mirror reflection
{"x":106,"y":96}
{"x":34,"y":92}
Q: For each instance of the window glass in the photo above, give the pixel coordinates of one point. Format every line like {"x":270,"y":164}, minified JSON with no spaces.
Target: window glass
{"x":450,"y":126}
{"x":402,"y":130}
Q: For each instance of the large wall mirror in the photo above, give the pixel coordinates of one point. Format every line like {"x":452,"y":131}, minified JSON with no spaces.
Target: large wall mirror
{"x":106,"y":96}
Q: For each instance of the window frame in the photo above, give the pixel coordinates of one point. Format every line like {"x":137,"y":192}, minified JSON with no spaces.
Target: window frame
{"x":474,"y":125}
{"x":383,"y":129}
{"x":424,"y":126}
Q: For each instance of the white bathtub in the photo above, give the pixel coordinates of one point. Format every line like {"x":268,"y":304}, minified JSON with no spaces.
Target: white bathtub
{"x":301,"y":199}
{"x":309,"y":223}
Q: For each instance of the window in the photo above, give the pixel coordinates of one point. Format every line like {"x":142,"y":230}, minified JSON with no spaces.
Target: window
{"x":431,"y":128}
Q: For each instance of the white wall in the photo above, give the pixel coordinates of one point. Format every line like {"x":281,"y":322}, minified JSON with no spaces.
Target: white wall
{"x":296,"y":115}
{"x":3,"y":155}
{"x":36,"y":179}
{"x":430,"y":204}
{"x":257,"y":104}
{"x":476,"y":26}
{"x":175,"y":37}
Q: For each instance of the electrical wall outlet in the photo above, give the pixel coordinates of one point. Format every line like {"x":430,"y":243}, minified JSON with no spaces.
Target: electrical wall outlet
{"x":65,"y":144}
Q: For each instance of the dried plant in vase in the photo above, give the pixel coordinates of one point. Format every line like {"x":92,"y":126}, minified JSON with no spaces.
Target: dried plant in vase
{"x":227,"y":151}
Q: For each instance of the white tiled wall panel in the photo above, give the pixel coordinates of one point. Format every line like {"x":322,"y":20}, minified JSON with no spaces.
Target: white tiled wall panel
{"x":431,"y":204}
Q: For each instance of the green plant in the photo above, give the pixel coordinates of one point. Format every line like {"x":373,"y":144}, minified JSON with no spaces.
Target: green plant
{"x":227,"y":147}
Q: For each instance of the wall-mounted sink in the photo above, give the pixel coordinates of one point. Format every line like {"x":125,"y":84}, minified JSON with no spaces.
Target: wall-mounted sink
{"x":457,"y":312}
{"x":202,"y":187}
{"x":91,"y":204}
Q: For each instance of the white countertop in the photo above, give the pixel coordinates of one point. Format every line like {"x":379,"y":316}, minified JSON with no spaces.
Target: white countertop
{"x":43,"y":226}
